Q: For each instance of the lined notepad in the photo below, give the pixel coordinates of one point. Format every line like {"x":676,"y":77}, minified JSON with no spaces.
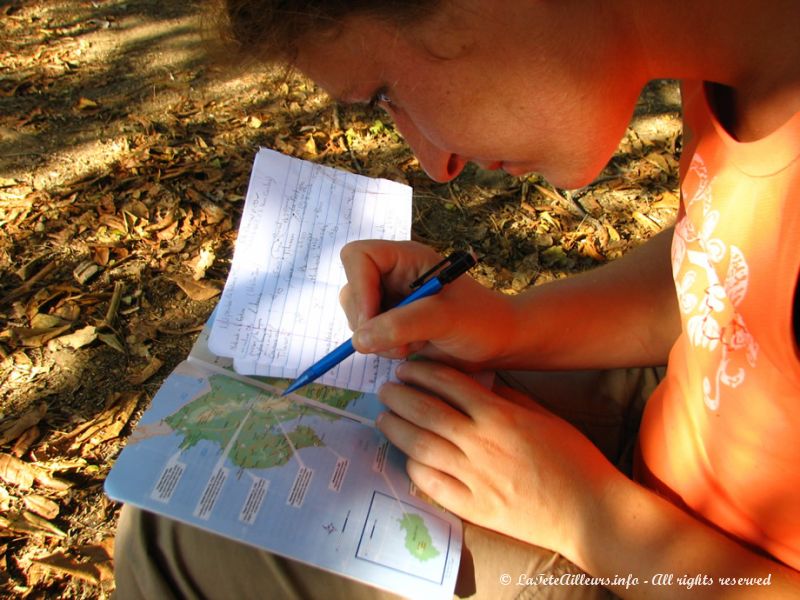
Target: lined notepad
{"x":280,"y":311}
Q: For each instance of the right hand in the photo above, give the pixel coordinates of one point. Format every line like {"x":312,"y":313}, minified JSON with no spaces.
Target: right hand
{"x":465,"y":324}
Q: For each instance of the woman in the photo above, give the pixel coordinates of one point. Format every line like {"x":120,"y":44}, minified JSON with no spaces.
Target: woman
{"x":715,"y":495}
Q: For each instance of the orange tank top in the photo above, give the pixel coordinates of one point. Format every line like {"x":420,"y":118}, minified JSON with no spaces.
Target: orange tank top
{"x":721,"y":434}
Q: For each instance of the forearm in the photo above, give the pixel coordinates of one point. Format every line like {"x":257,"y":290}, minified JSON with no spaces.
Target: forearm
{"x":642,"y":538}
{"x":621,"y":314}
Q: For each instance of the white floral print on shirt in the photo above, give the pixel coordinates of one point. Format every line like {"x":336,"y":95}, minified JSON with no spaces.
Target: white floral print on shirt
{"x":708,"y":304}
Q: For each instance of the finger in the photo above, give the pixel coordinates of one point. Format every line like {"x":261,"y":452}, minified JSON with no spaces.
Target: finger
{"x":420,"y":444}
{"x":518,"y":398}
{"x":459,"y":390}
{"x":425,"y":411}
{"x":414,"y":323}
{"x":402,"y":352}
{"x":361,"y":296}
{"x":433,"y":353}
{"x":378,"y":268}
{"x":448,"y":491}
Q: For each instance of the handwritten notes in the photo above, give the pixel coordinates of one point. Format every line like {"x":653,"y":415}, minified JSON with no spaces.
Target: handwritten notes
{"x":279,"y":311}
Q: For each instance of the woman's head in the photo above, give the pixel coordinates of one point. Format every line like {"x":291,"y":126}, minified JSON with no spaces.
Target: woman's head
{"x":544,"y":87}
{"x":274,"y":29}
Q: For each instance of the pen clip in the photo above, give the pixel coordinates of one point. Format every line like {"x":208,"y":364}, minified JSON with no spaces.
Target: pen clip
{"x":457,"y":263}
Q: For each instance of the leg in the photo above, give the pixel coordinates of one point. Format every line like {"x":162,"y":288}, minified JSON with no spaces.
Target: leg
{"x":605,"y":405}
{"x":160,"y":558}
{"x":156,"y":557}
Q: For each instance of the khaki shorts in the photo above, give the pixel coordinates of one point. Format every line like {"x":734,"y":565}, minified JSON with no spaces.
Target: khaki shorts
{"x":157,"y":558}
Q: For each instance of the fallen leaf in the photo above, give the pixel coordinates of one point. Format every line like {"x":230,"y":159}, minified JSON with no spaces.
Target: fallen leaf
{"x":42,"y":524}
{"x":668,"y":200}
{"x":588,"y":248}
{"x":659,"y":160}
{"x":35,"y":337}
{"x":78,"y":339}
{"x":64,"y":565}
{"x":25,"y":441}
{"x":19,"y":523}
{"x":26,"y":287}
{"x":42,"y":506}
{"x":106,"y":426}
{"x":101,"y":255}
{"x":205,"y":259}
{"x":46,"y":321}
{"x":196,"y":290}
{"x":146,"y":373}
{"x":646,"y":221}
{"x":112,"y":341}
{"x":86,"y":104}
{"x":212,"y":212}
{"x":310,"y":146}
{"x":11,"y":431}
{"x":16,"y":471}
{"x":85,"y":271}
{"x":93,"y":571}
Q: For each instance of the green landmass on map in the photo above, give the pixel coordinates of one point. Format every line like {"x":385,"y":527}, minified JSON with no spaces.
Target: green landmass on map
{"x":231,"y":408}
{"x":418,"y":539}
{"x":335,"y":397}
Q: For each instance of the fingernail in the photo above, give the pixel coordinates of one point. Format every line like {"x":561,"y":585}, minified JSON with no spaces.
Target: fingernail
{"x":363,"y":340}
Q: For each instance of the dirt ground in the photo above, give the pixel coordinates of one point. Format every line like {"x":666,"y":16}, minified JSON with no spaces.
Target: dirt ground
{"x":124,"y":158}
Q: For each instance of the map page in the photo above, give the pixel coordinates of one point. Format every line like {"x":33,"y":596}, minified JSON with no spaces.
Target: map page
{"x":305,"y":476}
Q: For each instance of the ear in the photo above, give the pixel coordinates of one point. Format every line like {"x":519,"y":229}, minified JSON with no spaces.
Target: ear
{"x":450,"y":32}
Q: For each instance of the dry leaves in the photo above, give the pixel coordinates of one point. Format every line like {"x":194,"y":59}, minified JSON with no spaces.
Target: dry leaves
{"x":85,"y":438}
{"x":108,"y":270}
{"x":92,"y":562}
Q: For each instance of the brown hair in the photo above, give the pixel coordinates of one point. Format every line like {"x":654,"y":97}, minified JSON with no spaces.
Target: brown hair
{"x":272,"y":29}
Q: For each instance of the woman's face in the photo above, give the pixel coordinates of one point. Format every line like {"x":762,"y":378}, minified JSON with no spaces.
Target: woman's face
{"x":525,"y":90}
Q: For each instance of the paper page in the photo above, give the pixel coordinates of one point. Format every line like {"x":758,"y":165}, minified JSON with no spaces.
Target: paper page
{"x":297,"y":479}
{"x":279,"y":311}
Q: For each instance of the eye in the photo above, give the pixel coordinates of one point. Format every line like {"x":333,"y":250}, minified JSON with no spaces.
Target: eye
{"x":380,"y":97}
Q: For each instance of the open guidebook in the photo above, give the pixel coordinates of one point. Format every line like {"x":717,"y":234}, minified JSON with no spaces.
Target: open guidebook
{"x":306,"y":476}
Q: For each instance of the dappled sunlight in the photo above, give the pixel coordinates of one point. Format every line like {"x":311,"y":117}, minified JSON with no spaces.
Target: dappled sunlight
{"x":125,"y":152}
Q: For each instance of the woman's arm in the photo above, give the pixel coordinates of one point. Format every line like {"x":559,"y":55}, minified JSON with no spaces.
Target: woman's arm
{"x":621,"y":314}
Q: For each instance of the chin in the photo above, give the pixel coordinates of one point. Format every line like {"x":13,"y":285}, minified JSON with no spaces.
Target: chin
{"x":571,"y":181}
{"x":570,"y":178}
{"x":576,"y":177}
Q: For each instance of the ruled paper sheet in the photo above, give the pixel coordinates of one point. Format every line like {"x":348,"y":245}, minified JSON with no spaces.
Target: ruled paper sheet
{"x":279,"y":311}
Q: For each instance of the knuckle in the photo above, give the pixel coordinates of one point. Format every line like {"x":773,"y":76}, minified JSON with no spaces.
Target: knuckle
{"x":422,"y":447}
{"x":344,"y":295}
{"x":444,"y":376}
{"x":390,"y":331}
{"x":348,"y":251}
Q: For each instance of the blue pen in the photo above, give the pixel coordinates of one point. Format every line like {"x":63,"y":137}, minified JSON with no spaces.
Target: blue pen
{"x":430,"y":283}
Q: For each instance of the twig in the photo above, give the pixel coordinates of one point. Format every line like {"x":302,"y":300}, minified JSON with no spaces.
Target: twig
{"x":113,"y":307}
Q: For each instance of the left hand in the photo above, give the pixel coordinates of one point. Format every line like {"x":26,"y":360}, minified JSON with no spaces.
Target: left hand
{"x":504,"y":463}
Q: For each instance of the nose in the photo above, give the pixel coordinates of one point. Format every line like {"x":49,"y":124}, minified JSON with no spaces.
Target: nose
{"x":440,"y":165}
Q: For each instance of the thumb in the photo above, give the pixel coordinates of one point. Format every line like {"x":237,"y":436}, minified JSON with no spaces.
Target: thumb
{"x":399,"y":328}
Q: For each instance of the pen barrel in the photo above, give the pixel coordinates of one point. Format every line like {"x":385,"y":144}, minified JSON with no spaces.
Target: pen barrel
{"x":342,"y":351}
{"x":332,"y":359}
{"x":429,"y":288}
